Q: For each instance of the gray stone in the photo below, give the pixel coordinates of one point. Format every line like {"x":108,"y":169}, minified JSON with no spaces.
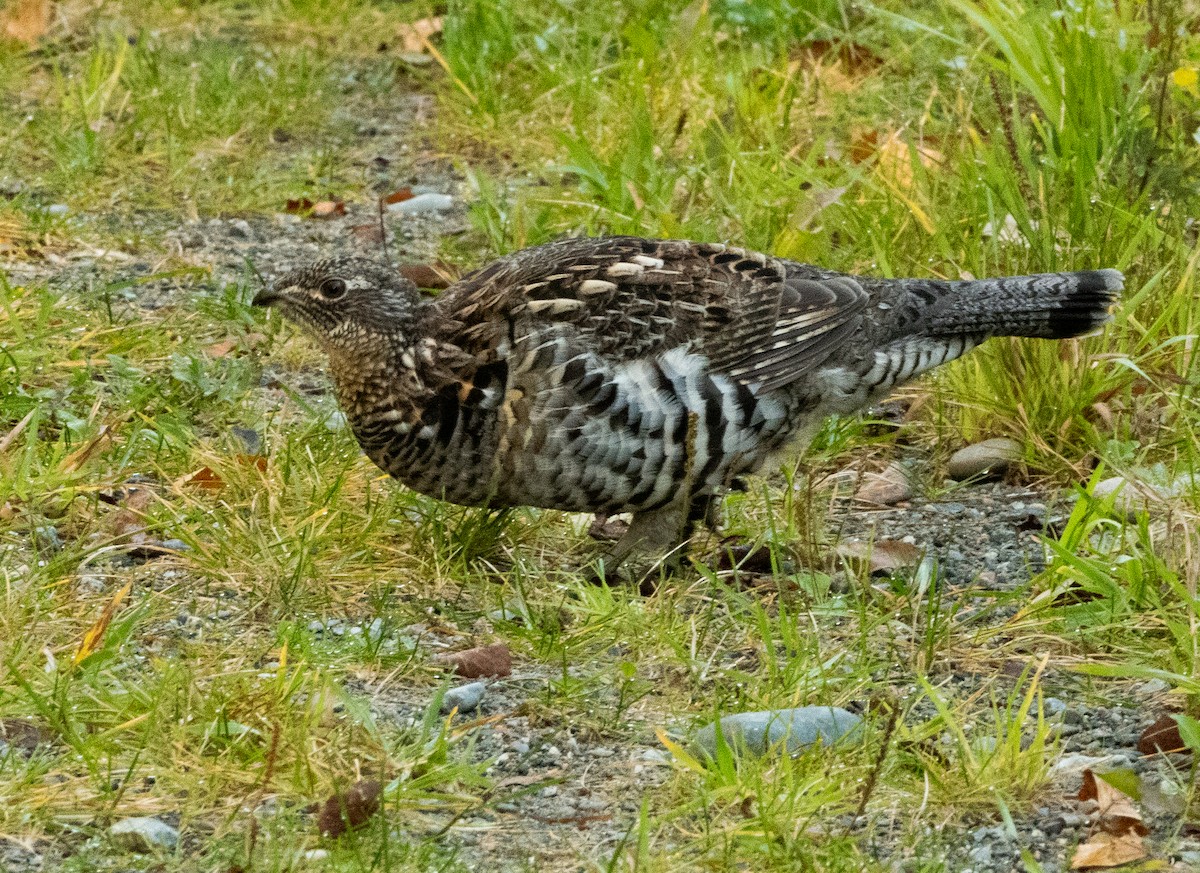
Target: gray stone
{"x":1153,"y":686}
{"x":144,"y":834}
{"x":240,"y":228}
{"x":987,"y":459}
{"x":464,"y":698}
{"x":1053,"y":706}
{"x":429,"y":202}
{"x":793,"y":729}
{"x":47,"y":539}
{"x":176,"y":545}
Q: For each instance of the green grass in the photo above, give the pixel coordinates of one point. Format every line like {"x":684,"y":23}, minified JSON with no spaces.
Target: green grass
{"x":882,"y":138}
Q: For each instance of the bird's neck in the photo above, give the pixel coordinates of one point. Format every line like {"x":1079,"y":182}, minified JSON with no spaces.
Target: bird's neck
{"x":374,"y":372}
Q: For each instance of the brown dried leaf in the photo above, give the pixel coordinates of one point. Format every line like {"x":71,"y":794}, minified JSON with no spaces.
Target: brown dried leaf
{"x":855,"y":58}
{"x":95,"y":634}
{"x":1116,"y":813}
{"x":1162,"y":736}
{"x":398,"y":196}
{"x":26,"y":20}
{"x":350,"y":809}
{"x":888,"y":487}
{"x":880,"y":556}
{"x":221,"y":349}
{"x":493,"y":660}
{"x":413,"y":37}
{"x":300,"y":206}
{"x":328,"y":209}
{"x":130,"y":518}
{"x":1108,"y":850}
{"x":205,"y":478}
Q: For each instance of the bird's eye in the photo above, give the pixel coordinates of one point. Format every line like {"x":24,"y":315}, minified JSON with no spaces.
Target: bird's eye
{"x":333,"y":289}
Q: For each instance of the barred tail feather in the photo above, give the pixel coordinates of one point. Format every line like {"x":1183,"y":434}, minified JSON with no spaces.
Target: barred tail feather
{"x":1050,"y":305}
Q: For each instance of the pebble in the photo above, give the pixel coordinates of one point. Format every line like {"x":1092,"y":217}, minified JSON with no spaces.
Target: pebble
{"x":144,"y":834}
{"x":422,"y":203}
{"x":250,"y":439}
{"x":989,"y":458}
{"x":176,"y":545}
{"x":466,"y":698}
{"x":240,"y":228}
{"x":47,"y":539}
{"x":316,"y":855}
{"x":58,"y":209}
{"x":1153,"y":686}
{"x":797,"y":729}
{"x":1053,"y":706}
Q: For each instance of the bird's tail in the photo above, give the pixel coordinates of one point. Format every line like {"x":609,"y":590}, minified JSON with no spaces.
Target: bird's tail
{"x":1050,"y":305}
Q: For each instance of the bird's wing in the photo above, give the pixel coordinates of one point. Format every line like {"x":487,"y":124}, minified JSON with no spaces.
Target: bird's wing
{"x":628,"y":298}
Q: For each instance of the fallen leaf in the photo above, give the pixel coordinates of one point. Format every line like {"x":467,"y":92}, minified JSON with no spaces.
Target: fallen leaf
{"x":1162,"y":736}
{"x":95,"y":634}
{"x":435,"y":275}
{"x":130,"y":519}
{"x":301,"y":206}
{"x":26,"y":20}
{"x":1116,"y":813}
{"x":493,"y":660}
{"x":328,"y":209}
{"x":1108,"y":850}
{"x":879,"y":557}
{"x":414,"y":37}
{"x":888,"y":487}
{"x":221,"y":349}
{"x":855,"y":58}
{"x":398,"y":196}
{"x":205,"y":478}
{"x":350,"y":809}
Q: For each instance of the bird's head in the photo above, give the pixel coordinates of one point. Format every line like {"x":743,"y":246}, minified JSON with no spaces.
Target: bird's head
{"x":345,"y":302}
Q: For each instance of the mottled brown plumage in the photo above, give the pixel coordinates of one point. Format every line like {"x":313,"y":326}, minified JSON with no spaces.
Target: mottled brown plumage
{"x":627,"y":374}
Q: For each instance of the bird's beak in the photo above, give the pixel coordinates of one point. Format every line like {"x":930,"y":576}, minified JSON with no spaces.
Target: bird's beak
{"x":266,"y":297}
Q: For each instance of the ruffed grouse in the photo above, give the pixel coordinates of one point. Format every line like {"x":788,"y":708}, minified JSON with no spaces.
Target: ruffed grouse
{"x":623,"y":374}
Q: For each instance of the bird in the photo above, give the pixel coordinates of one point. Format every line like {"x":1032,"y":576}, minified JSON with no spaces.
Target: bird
{"x":623,"y":374}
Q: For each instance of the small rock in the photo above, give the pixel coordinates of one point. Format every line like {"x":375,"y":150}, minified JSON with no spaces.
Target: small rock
{"x":464,"y":698}
{"x":1152,"y":686}
{"x":796,"y":729}
{"x":1053,"y":706}
{"x":316,"y":855}
{"x":422,"y":203}
{"x":250,"y":439}
{"x":987,"y":459}
{"x":506,"y":614}
{"x":47,"y":539}
{"x":885,"y":488}
{"x":57,"y":209}
{"x":144,"y":834}
{"x":175,"y":545}
{"x":240,"y":228}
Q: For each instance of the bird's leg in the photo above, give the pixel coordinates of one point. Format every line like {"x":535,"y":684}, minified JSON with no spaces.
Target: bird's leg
{"x":666,"y":529}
